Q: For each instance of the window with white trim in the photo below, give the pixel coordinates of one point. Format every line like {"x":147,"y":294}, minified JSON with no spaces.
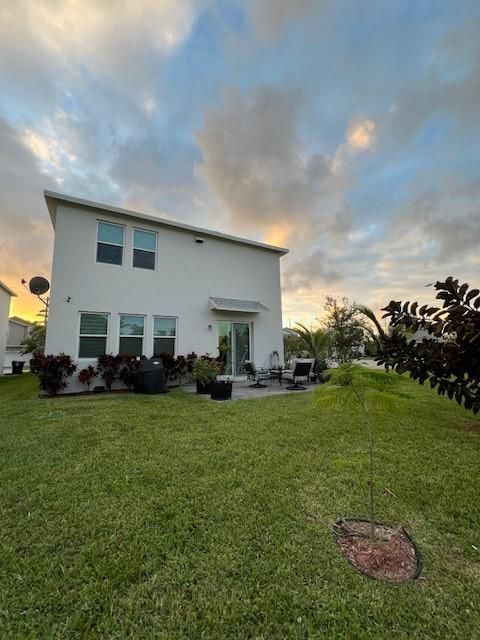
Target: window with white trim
{"x":110,"y":243}
{"x":93,"y":335}
{"x":132,"y":331}
{"x":144,"y":249}
{"x":164,"y":335}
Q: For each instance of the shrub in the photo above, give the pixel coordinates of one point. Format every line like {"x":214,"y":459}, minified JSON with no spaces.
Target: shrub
{"x":108,"y":367}
{"x":52,"y":371}
{"x":86,"y":376}
{"x":128,"y":369}
{"x":176,"y":369}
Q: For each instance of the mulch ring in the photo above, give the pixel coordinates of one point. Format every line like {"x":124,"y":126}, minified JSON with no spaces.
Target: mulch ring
{"x":393,"y":556}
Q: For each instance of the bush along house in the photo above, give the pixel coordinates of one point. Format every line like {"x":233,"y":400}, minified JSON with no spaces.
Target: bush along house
{"x":130,"y":283}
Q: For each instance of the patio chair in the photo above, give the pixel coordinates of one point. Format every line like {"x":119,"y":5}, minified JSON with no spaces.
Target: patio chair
{"x":255,"y":374}
{"x":302,"y":369}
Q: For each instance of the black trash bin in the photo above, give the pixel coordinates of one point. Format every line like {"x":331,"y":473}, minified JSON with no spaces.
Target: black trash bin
{"x":150,"y":377}
{"x":17,"y":367}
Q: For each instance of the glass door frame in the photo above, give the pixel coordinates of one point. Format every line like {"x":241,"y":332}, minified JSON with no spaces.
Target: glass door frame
{"x":232,"y":349}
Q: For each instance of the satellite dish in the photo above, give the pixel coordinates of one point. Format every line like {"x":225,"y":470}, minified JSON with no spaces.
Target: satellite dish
{"x":38,"y":285}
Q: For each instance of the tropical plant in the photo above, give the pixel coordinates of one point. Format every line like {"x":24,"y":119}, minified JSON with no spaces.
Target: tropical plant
{"x":375,"y":331}
{"x":128,"y":369}
{"x":448,"y":353}
{"x":35,"y":341}
{"x":53,"y":371}
{"x":108,"y":367}
{"x":372,"y":391}
{"x":345,"y":328}
{"x":205,"y":369}
{"x":86,"y":376}
{"x":315,"y":344}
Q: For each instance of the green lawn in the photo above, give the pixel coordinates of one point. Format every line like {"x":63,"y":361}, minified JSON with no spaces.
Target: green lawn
{"x":174,"y":517}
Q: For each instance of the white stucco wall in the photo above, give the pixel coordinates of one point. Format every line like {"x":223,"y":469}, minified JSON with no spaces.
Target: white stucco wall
{"x":186,"y":275}
{"x":4,"y":312}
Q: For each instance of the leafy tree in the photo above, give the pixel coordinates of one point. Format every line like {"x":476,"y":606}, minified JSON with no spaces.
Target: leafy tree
{"x":35,"y":341}
{"x":314,"y":343}
{"x":293,"y":346}
{"x":345,"y":327}
{"x":449,"y":353}
{"x":372,"y":391}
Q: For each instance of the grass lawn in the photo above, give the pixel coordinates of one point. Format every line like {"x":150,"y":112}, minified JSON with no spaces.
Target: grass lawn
{"x":174,"y":517}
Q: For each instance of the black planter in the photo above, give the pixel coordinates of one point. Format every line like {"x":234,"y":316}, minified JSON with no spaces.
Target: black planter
{"x":203,"y":386}
{"x":221,"y":390}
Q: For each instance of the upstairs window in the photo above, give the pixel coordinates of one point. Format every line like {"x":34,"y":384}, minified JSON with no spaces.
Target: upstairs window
{"x":93,"y":335}
{"x":110,"y":243}
{"x":164,"y":335}
{"x":144,"y":249}
{"x":132,"y":330}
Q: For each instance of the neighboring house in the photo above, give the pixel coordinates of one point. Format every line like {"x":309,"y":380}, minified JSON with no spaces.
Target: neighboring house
{"x":6,"y":295}
{"x":126,"y":282}
{"x":18,"y":330}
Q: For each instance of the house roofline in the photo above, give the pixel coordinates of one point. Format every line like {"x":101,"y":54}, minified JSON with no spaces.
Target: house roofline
{"x":53,"y":198}
{"x":8,"y":290}
{"x":21,"y":321}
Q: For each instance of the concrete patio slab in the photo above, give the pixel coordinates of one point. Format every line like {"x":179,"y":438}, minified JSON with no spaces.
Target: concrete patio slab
{"x":241,"y":390}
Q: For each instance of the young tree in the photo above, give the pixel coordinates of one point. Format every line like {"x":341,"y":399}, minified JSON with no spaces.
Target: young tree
{"x":345,"y":327}
{"x":372,"y":391}
{"x":449,"y":355}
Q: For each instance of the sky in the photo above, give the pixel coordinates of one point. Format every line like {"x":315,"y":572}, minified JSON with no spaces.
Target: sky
{"x":347,"y":131}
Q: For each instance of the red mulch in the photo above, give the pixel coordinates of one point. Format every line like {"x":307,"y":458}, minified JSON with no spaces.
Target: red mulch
{"x":391,"y":557}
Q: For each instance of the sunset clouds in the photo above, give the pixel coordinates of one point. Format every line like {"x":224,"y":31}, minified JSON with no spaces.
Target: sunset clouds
{"x":351,"y":137}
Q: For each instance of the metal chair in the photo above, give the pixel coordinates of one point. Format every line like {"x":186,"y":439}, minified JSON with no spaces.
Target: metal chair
{"x":255,"y":374}
{"x":302,"y":370}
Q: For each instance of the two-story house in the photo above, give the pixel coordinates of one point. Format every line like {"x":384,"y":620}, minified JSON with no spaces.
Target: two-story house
{"x":127,"y":282}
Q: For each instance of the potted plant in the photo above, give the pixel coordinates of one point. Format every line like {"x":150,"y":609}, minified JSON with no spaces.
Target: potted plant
{"x":204,"y":372}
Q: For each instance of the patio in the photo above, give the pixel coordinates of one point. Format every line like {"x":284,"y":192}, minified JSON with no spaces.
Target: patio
{"x":241,"y":389}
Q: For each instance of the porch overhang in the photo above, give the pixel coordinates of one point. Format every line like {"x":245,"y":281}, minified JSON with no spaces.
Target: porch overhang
{"x":238,"y":306}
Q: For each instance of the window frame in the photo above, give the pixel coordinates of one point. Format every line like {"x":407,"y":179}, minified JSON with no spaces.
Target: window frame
{"x":120,"y":336}
{"x":91,"y":335}
{"x":174,"y":338}
{"x":112,"y":244}
{"x":155,"y":252}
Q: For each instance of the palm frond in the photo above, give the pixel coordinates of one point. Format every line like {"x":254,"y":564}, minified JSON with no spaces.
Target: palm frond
{"x":369,"y":314}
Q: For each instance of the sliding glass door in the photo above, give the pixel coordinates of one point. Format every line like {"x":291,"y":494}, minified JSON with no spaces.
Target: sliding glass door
{"x":234,"y":345}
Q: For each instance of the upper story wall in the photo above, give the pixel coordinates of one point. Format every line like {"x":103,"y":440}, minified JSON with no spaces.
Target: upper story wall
{"x":186,"y":272}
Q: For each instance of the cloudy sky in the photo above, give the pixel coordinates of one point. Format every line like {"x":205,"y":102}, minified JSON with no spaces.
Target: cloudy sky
{"x":347,"y":131}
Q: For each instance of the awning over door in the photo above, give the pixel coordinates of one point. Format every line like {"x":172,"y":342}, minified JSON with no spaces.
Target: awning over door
{"x":231,"y":304}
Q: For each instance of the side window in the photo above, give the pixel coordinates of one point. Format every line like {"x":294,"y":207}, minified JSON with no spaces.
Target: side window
{"x":93,"y":335}
{"x":164,"y":335}
{"x":144,"y":249}
{"x":110,"y":243}
{"x":132,"y":329}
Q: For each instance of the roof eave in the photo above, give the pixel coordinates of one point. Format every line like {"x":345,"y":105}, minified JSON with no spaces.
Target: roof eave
{"x":52,"y":199}
{"x":8,"y":290}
